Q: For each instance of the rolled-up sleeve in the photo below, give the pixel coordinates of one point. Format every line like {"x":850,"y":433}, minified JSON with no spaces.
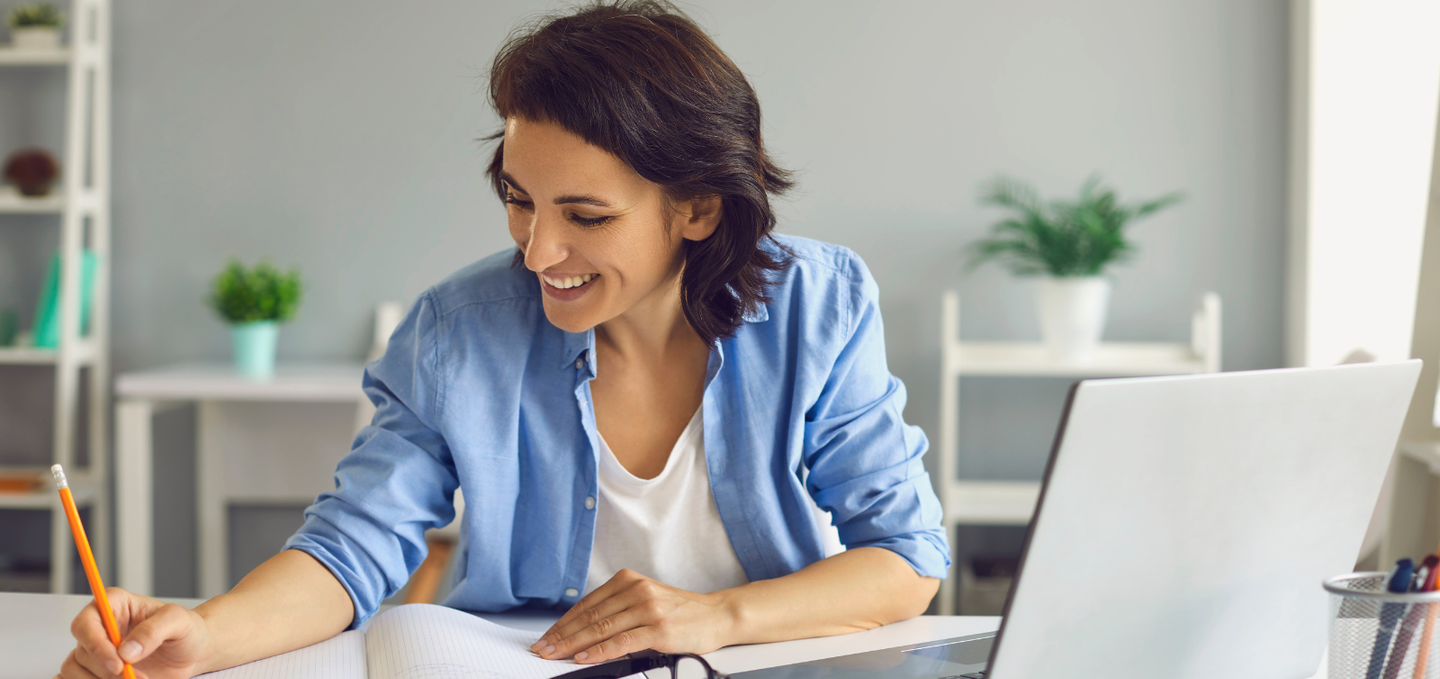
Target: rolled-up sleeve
{"x":398,"y":479}
{"x":866,"y":464}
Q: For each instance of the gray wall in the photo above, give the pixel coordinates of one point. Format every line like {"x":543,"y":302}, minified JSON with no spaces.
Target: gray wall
{"x":340,"y":137}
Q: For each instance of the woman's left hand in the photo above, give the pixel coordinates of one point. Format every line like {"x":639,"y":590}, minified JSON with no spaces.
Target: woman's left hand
{"x":632,"y":613}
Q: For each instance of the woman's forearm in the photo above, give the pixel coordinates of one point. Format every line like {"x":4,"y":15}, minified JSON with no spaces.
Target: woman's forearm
{"x":855,"y":590}
{"x":288,"y":602}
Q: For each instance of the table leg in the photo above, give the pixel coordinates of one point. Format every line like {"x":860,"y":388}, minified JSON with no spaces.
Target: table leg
{"x":213,"y":527}
{"x":134,"y":498}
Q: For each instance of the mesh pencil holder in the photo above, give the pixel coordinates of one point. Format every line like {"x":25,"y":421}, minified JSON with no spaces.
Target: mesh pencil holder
{"x":1378,"y":635}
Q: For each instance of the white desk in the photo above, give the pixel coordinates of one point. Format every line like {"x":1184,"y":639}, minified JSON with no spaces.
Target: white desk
{"x":239,"y":420}
{"x":35,"y":636}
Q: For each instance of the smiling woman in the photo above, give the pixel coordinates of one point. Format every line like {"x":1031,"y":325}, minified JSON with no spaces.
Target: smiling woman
{"x":653,"y":402}
{"x":643,"y":84}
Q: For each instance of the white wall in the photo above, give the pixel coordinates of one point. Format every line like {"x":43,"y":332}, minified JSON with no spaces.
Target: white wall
{"x":339,"y":136}
{"x":1372,"y":70}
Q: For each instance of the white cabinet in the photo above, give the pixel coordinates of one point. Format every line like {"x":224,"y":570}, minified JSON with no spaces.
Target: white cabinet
{"x":82,"y":207}
{"x":987,"y":502}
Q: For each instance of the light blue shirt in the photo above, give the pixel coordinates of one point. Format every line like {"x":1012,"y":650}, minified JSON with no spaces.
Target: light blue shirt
{"x":478,"y":390}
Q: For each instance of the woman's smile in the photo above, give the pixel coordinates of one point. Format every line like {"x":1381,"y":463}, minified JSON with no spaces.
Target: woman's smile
{"x":567,"y":288}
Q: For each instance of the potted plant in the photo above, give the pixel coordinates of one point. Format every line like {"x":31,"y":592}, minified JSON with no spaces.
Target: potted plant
{"x":36,"y":26}
{"x":1068,"y":244}
{"x":254,"y":302}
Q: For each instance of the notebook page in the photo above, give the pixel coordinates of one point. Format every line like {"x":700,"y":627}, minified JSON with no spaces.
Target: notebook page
{"x":434,"y":642}
{"x":339,"y":657}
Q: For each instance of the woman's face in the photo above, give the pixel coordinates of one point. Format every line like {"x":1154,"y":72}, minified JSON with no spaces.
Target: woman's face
{"x":600,"y":237}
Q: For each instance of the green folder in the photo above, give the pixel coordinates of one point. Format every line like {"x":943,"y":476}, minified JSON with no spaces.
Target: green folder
{"x":47,"y":314}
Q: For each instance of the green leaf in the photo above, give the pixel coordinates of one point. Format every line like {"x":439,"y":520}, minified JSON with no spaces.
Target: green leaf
{"x":1062,"y":237}
{"x":36,"y":15}
{"x":263,"y":293}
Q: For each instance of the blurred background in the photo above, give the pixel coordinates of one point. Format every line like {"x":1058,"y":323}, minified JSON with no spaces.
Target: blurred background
{"x":342,"y":138}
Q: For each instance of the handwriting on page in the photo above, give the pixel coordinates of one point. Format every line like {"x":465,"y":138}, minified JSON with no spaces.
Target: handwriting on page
{"x":432,"y":642}
{"x":339,"y":657}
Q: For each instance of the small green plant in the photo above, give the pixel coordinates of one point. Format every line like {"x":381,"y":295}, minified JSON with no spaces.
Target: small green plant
{"x":263,"y":293}
{"x":36,"y":15}
{"x":1061,"y":238}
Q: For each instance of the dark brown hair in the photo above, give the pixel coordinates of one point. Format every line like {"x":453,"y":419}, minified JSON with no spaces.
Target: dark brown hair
{"x":640,"y":80}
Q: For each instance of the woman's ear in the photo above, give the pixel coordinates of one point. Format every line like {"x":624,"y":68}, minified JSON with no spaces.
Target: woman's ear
{"x":702,"y":219}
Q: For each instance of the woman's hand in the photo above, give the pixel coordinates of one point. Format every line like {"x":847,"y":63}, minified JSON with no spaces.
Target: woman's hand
{"x":632,"y":613}
{"x":161,"y":641}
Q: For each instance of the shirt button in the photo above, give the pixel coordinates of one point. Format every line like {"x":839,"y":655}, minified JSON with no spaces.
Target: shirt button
{"x":572,"y":592}
{"x":590,"y":502}
{"x":580,"y":362}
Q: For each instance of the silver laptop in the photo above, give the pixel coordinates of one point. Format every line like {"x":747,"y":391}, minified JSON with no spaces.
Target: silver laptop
{"x":1183,"y":530}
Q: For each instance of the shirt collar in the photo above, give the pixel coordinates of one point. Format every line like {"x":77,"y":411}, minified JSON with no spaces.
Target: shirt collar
{"x":579,"y":345}
{"x":759,"y":315}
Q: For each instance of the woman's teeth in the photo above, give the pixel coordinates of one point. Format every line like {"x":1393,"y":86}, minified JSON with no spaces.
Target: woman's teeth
{"x":569,"y":281}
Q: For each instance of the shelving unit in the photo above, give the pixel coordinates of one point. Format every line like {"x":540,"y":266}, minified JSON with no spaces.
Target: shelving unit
{"x":82,"y":208}
{"x":1012,"y":503}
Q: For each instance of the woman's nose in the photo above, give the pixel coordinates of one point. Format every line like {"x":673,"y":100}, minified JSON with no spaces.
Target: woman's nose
{"x":547,"y":246}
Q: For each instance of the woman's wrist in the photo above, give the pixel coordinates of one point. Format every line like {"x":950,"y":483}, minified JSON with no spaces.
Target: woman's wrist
{"x":210,"y":659}
{"x":734,"y":606}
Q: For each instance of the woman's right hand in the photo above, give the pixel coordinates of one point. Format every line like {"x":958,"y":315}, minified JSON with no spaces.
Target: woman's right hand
{"x":161,"y":641}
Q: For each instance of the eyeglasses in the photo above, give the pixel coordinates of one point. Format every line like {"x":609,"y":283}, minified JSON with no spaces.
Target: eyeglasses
{"x":681,"y":666}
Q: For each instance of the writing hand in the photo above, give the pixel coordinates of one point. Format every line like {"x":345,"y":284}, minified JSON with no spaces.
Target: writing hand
{"x":632,"y":613}
{"x":161,"y":641}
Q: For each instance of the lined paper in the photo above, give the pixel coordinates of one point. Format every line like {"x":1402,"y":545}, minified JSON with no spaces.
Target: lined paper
{"x":414,"y":641}
{"x":425,"y":641}
{"x":339,"y":657}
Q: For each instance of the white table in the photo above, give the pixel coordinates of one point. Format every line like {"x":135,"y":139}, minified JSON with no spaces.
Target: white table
{"x":35,"y":636}
{"x":239,"y":420}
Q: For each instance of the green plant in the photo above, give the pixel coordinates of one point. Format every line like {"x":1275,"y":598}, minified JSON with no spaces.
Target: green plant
{"x":263,"y":293}
{"x":1061,"y":238}
{"x":36,"y":15}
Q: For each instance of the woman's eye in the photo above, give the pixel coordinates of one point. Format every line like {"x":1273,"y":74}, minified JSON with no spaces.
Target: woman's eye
{"x":588,"y":221}
{"x":510,"y":199}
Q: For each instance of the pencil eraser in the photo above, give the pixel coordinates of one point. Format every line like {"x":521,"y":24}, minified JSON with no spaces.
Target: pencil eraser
{"x":59,"y":476}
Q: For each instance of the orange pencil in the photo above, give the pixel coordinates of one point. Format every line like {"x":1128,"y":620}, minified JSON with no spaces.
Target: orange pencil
{"x":88,"y":560}
{"x":1424,"y":657}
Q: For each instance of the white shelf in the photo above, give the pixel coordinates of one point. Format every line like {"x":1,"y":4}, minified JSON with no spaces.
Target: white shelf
{"x":1427,"y":452}
{"x":322,"y":382}
{"x":84,"y":353}
{"x":9,"y":56}
{"x":996,"y":503}
{"x":1111,"y":359}
{"x":12,"y":202}
{"x":82,"y":488}
{"x":81,"y":203}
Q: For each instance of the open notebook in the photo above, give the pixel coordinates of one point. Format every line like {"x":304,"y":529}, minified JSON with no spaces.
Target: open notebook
{"x":415,"y":640}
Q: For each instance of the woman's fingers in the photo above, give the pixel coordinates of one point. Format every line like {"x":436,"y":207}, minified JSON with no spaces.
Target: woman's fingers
{"x":72,"y":668}
{"x":170,"y":621}
{"x":598,"y":616}
{"x":622,"y":644}
{"x":616,"y":584}
{"x":93,"y":642}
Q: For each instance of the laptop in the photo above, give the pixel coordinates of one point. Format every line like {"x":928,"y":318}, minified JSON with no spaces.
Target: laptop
{"x":1183,"y":530}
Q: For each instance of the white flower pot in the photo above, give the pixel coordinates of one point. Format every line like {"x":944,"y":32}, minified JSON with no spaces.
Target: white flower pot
{"x":35,"y":38}
{"x":1072,"y":315}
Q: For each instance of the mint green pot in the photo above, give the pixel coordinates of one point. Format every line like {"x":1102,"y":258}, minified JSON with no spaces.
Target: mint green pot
{"x":254,"y":344}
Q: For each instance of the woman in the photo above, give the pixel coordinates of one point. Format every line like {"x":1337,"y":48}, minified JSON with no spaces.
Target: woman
{"x":640,"y":401}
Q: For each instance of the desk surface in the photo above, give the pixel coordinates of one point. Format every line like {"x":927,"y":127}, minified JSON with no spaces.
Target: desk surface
{"x":35,"y":636}
{"x":220,"y":382}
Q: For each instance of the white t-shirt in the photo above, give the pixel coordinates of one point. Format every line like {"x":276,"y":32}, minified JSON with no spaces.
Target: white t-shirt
{"x":666,"y":528}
